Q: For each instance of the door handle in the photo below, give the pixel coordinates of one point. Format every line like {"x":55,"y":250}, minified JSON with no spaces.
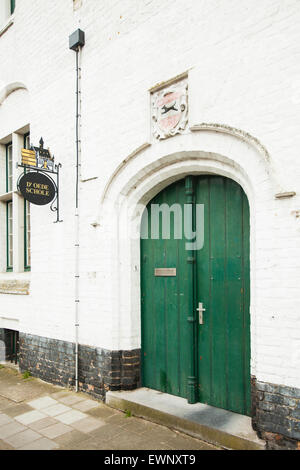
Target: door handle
{"x":200,"y":309}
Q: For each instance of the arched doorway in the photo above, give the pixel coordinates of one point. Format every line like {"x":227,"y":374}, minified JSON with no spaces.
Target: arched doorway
{"x":200,"y":355}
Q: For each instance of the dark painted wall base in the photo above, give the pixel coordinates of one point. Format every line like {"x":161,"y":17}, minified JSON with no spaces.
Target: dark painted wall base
{"x":276,"y":415}
{"x":99,"y":370}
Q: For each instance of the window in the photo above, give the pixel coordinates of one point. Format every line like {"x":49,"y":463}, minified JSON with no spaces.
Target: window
{"x":27,"y":252}
{"x":9,"y":235}
{"x":7,"y":7}
{"x":15,"y":211}
{"x":9,"y":163}
{"x":9,"y":208}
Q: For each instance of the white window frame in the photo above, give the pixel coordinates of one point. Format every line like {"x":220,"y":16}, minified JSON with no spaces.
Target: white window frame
{"x":13,"y":236}
{"x":9,"y":236}
{"x":6,"y":15}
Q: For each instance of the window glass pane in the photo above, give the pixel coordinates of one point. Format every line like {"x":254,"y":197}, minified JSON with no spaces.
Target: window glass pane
{"x":9,"y":168}
{"x":10,"y":210}
{"x":29,"y":257}
{"x":27,"y":235}
{"x":27,"y":141}
{"x":9,"y":235}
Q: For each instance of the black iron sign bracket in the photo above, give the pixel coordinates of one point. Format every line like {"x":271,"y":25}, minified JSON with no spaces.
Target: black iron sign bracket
{"x":36,"y":183}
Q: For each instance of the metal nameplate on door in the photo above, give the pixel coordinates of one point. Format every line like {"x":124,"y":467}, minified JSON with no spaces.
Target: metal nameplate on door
{"x":165,"y":272}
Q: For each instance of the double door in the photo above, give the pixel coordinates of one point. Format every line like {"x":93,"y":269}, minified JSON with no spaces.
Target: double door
{"x":195,"y":293}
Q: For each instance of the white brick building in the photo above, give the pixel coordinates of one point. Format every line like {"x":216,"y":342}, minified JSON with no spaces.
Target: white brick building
{"x":240,"y":61}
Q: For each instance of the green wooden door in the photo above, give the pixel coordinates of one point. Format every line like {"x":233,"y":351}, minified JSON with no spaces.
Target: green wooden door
{"x":223,"y":360}
{"x":164,"y":303}
{"x":207,"y":362}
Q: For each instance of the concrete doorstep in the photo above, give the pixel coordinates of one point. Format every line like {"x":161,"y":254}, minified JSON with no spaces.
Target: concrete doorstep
{"x":220,"y":427}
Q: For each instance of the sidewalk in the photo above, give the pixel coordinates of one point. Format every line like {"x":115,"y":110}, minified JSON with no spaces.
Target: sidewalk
{"x":35,"y":415}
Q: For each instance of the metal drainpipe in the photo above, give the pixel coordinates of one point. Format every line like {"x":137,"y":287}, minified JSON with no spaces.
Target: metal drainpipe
{"x":76,"y":42}
{"x":77,"y":235}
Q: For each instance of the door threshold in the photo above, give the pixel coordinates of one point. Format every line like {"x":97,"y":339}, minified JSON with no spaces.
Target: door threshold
{"x":215,"y":425}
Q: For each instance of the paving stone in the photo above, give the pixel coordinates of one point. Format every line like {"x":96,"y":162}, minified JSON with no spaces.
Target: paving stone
{"x":5,"y":446}
{"x":22,"y":438}
{"x":30,"y":417}
{"x":182,"y":443}
{"x":141,"y":446}
{"x":88,"y":424}
{"x":5,"y":419}
{"x":10,"y":429}
{"x":126,"y":441}
{"x":5,"y":403}
{"x":14,"y":392}
{"x":71,"y":417}
{"x":40,"y":444}
{"x":107,"y":432}
{"x":42,"y":423}
{"x":58,"y":395}
{"x":17,"y":410}
{"x":137,"y":426}
{"x":119,"y":419}
{"x":71,"y":438}
{"x":164,"y":434}
{"x":102,"y":412}
{"x":153,"y":442}
{"x":55,"y":430}
{"x":43,"y":402}
{"x":56,"y":410}
{"x":71,"y":400}
{"x":86,"y":405}
{"x":35,"y":388}
{"x":89,"y":444}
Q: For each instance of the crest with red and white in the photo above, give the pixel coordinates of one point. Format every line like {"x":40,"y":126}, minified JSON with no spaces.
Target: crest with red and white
{"x":169,"y":110}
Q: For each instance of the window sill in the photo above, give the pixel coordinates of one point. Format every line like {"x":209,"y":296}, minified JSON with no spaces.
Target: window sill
{"x":7,"y":196}
{"x":15,"y":283}
{"x":9,"y":22}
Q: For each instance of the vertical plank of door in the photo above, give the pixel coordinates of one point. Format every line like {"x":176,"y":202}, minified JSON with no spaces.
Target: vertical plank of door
{"x":203,"y":295}
{"x":191,"y":314}
{"x":147,"y":308}
{"x":183,"y":303}
{"x":158,"y":300}
{"x":246,"y":303}
{"x":171,"y":300}
{"x":235,"y":304}
{"x":218,"y":297}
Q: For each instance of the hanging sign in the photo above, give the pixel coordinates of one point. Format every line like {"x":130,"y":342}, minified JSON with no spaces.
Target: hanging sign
{"x":37,"y":188}
{"x":35,"y":184}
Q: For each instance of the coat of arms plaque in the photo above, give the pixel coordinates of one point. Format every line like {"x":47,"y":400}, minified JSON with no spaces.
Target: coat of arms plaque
{"x":169,"y":108}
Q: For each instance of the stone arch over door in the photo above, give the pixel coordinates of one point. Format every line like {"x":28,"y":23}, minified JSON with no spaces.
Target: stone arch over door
{"x":143,"y":175}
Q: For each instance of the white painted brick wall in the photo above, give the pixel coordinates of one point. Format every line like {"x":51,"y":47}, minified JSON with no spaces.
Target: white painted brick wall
{"x":244,"y":72}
